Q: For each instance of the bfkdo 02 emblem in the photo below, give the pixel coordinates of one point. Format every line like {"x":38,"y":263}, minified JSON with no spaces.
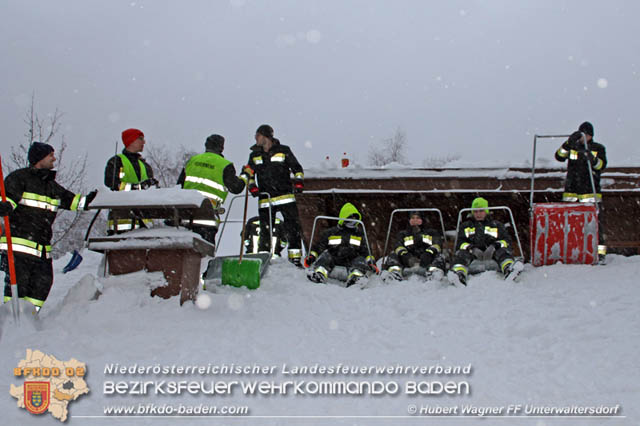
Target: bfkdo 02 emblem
{"x":36,"y":396}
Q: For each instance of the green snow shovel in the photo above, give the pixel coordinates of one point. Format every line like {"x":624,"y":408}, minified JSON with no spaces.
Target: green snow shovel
{"x":237,"y":272}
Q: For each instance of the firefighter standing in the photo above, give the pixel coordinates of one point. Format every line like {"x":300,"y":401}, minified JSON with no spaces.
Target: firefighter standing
{"x":127,"y":172}
{"x":578,"y":183}
{"x":341,"y":245}
{"x":251,"y":236}
{"x":272,"y":165}
{"x":213,"y":176}
{"x":33,"y":199}
{"x":417,"y":245}
{"x":477,"y":235}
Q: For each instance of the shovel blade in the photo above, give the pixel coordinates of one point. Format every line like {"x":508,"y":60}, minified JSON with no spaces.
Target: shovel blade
{"x":238,"y":274}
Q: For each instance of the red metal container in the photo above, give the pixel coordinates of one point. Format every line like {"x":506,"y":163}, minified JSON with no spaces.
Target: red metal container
{"x":564,"y":232}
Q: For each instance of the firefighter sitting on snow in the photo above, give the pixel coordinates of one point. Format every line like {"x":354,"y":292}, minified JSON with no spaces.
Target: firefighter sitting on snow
{"x":477,"y":235}
{"x":341,"y":245}
{"x":252,"y":236}
{"x":417,"y":245}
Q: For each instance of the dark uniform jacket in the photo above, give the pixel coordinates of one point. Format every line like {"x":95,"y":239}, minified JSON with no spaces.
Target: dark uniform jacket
{"x":112,"y":171}
{"x":416,"y":241}
{"x":578,"y":184}
{"x":482,"y":234}
{"x":273,"y":169}
{"x":37,"y":197}
{"x":343,"y":243}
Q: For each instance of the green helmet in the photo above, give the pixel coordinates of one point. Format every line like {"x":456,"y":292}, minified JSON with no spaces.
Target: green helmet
{"x":347,"y":211}
{"x":479,"y":203}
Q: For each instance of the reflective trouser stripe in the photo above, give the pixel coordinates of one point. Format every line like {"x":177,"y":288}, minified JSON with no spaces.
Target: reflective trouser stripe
{"x":602,"y":249}
{"x":460,"y":268}
{"x":35,"y":302}
{"x":505,"y":263}
{"x":277,"y":201}
{"x":295,"y":253}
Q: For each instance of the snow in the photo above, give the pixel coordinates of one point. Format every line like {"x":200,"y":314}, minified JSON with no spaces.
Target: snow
{"x":160,"y":237}
{"x":148,"y":198}
{"x":565,"y":334}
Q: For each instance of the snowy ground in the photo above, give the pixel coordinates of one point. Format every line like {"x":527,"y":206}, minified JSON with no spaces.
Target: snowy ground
{"x":563,"y":335}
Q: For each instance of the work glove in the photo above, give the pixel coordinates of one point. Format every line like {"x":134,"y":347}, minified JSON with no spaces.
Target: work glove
{"x":5,"y":208}
{"x":575,"y":141}
{"x":298,"y":187}
{"x":371,"y":263}
{"x":89,"y":198}
{"x":247,"y":170}
{"x":253,"y":189}
{"x":149,"y":183}
{"x":308,"y":261}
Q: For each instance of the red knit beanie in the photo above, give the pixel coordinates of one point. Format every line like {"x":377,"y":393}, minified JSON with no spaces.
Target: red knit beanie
{"x":129,"y":136}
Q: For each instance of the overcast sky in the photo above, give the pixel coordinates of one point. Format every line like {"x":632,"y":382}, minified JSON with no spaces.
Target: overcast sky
{"x":476,"y":78}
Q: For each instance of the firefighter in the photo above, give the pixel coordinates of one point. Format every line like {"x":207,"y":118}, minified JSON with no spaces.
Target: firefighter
{"x":577,"y":187}
{"x":341,"y":245}
{"x":477,"y":235}
{"x":272,"y":164}
{"x":418,"y":245}
{"x":127,"y":172}
{"x":251,"y":236}
{"x":213,"y":176}
{"x":33,"y":199}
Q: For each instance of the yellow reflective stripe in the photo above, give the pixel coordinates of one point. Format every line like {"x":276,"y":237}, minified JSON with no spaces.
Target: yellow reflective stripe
{"x":491,"y":231}
{"x":436,"y":247}
{"x":573,"y":154}
{"x":299,"y":175}
{"x":503,"y":243}
{"x":427,"y":239}
{"x":203,"y":222}
{"x":44,"y":198}
{"x":257,"y":160}
{"x":278,"y":158}
{"x":408,"y":241}
{"x":214,"y":197}
{"x":295,"y":253}
{"x":313,"y":253}
{"x":13,"y":203}
{"x":588,"y":198}
{"x":370,"y":258}
{"x":356,"y":241}
{"x":459,"y":267}
{"x":39,"y":201}
{"x":207,"y":182}
{"x":395,"y":269}
{"x":464,"y":245}
{"x":469,"y":231}
{"x":602,"y":249}
{"x":598,"y":165}
{"x":78,"y":202}
{"x":562,"y":152}
{"x":505,"y":263}
{"x":335,"y":240}
{"x":322,"y":270}
{"x":401,"y":250}
{"x":276,"y":201}
{"x":25,"y":246}
{"x":36,"y":302}
{"x":569,"y":196}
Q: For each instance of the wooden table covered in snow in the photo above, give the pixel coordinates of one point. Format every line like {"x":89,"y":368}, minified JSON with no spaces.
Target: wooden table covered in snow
{"x":174,"y":251}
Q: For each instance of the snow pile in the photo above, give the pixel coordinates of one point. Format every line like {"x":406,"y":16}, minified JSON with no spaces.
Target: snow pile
{"x":563,"y":335}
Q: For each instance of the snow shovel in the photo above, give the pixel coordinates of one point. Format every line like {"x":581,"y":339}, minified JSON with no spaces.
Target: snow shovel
{"x":12,"y":266}
{"x":235,"y":271}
